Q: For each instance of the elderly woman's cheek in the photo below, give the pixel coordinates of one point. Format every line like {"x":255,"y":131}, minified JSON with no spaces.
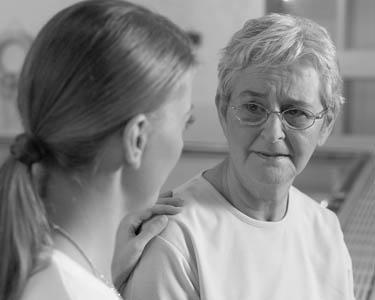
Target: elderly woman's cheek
{"x":303,"y":146}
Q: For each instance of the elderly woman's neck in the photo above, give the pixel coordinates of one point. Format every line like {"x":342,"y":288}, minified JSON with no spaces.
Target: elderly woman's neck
{"x":263,"y":202}
{"x":89,"y":210}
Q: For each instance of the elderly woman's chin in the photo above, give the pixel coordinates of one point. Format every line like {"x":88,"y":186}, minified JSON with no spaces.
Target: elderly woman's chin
{"x":263,"y":170}
{"x":281,"y":171}
{"x":273,"y":175}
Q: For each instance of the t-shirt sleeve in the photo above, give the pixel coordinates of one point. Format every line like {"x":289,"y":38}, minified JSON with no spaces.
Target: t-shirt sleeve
{"x":344,"y":262}
{"x":349,"y":272}
{"x":163,"y":273}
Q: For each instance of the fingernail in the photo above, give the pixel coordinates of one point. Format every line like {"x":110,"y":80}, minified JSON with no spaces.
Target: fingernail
{"x":180,"y":201}
{"x":163,"y":219}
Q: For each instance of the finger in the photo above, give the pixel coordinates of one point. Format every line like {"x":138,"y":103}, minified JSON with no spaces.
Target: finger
{"x":158,"y":209}
{"x":169,"y":206}
{"x":164,"y":209}
{"x":150,"y":229}
{"x":132,"y":222}
{"x":128,"y":227}
{"x":168,"y":194}
{"x":171,"y":201}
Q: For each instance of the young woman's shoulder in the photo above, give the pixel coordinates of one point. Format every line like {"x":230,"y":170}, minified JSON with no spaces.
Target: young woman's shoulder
{"x":45,"y":284}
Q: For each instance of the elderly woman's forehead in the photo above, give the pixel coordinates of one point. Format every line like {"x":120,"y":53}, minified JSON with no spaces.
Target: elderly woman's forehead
{"x":301,"y":83}
{"x":278,"y":76}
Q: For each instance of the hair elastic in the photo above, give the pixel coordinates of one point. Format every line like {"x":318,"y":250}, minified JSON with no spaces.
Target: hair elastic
{"x":27,"y":149}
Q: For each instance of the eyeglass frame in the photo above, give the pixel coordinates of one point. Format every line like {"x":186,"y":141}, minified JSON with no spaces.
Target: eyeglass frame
{"x":280,"y":114}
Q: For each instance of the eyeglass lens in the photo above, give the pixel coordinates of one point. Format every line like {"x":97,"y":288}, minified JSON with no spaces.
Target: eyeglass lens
{"x":256,"y":114}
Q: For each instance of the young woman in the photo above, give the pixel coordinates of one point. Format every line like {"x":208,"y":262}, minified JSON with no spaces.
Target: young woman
{"x":104,"y":97}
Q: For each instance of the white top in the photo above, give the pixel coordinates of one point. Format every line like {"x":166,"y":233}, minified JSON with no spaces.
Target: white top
{"x":66,"y":279}
{"x":212,"y":251}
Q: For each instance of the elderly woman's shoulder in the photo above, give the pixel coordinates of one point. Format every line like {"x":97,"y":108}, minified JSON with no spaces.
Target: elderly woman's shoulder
{"x":297,"y":193}
{"x":313,"y":210}
{"x":308,"y":203}
{"x":45,"y":284}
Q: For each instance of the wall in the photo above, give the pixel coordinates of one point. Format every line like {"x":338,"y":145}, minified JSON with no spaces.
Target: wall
{"x":18,"y":19}
{"x":215,"y":20}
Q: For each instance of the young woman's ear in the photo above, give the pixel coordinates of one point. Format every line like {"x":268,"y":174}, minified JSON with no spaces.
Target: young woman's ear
{"x":134,"y":140}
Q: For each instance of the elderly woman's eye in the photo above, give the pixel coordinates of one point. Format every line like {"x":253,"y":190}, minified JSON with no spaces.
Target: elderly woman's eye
{"x":254,"y":108}
{"x":296,"y":112}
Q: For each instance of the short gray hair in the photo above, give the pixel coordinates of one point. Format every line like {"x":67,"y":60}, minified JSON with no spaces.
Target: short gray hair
{"x":282,"y":40}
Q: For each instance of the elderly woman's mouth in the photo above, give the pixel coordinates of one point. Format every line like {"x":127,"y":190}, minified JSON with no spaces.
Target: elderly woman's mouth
{"x":271,"y":155}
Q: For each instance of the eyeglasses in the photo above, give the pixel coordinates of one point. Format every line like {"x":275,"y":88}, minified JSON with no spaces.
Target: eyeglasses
{"x":254,"y":114}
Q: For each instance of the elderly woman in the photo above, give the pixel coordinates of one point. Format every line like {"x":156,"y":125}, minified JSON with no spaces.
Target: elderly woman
{"x":246,"y":232}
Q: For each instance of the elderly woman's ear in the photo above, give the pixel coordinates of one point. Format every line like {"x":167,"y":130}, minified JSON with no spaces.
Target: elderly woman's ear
{"x":327,"y":127}
{"x":222,"y":108}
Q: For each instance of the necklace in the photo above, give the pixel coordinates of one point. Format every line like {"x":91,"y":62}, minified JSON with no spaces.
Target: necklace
{"x":94,"y":270}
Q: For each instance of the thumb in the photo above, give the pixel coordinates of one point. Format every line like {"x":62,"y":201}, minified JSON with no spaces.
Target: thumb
{"x":151,"y":228}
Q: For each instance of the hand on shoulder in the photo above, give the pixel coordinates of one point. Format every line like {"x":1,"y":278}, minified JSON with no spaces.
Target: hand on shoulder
{"x":135,"y":231}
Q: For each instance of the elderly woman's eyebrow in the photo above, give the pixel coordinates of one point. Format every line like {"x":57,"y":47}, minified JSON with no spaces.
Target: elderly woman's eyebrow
{"x":288,"y":101}
{"x":252,"y":93}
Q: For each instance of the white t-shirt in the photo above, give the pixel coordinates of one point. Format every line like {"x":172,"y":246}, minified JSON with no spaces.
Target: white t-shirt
{"x":65,"y":279}
{"x":212,"y":251}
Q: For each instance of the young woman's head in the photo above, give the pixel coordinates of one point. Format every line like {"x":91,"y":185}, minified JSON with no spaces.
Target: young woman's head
{"x":92,"y":68}
{"x":96,"y":71}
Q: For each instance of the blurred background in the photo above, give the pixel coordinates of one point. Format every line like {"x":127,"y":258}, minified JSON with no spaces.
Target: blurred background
{"x":340,"y":175}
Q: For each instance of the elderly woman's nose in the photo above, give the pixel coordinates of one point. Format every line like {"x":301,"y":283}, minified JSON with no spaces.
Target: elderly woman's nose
{"x":273,"y":128}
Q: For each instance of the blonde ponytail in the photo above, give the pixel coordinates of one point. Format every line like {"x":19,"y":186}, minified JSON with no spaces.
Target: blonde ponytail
{"x":24,"y":230}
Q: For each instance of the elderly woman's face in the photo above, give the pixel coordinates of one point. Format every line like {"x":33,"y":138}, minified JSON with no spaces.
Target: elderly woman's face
{"x":272,"y":152}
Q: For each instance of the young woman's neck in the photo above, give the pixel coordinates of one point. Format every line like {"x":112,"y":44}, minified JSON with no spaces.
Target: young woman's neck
{"x":89,"y":210}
